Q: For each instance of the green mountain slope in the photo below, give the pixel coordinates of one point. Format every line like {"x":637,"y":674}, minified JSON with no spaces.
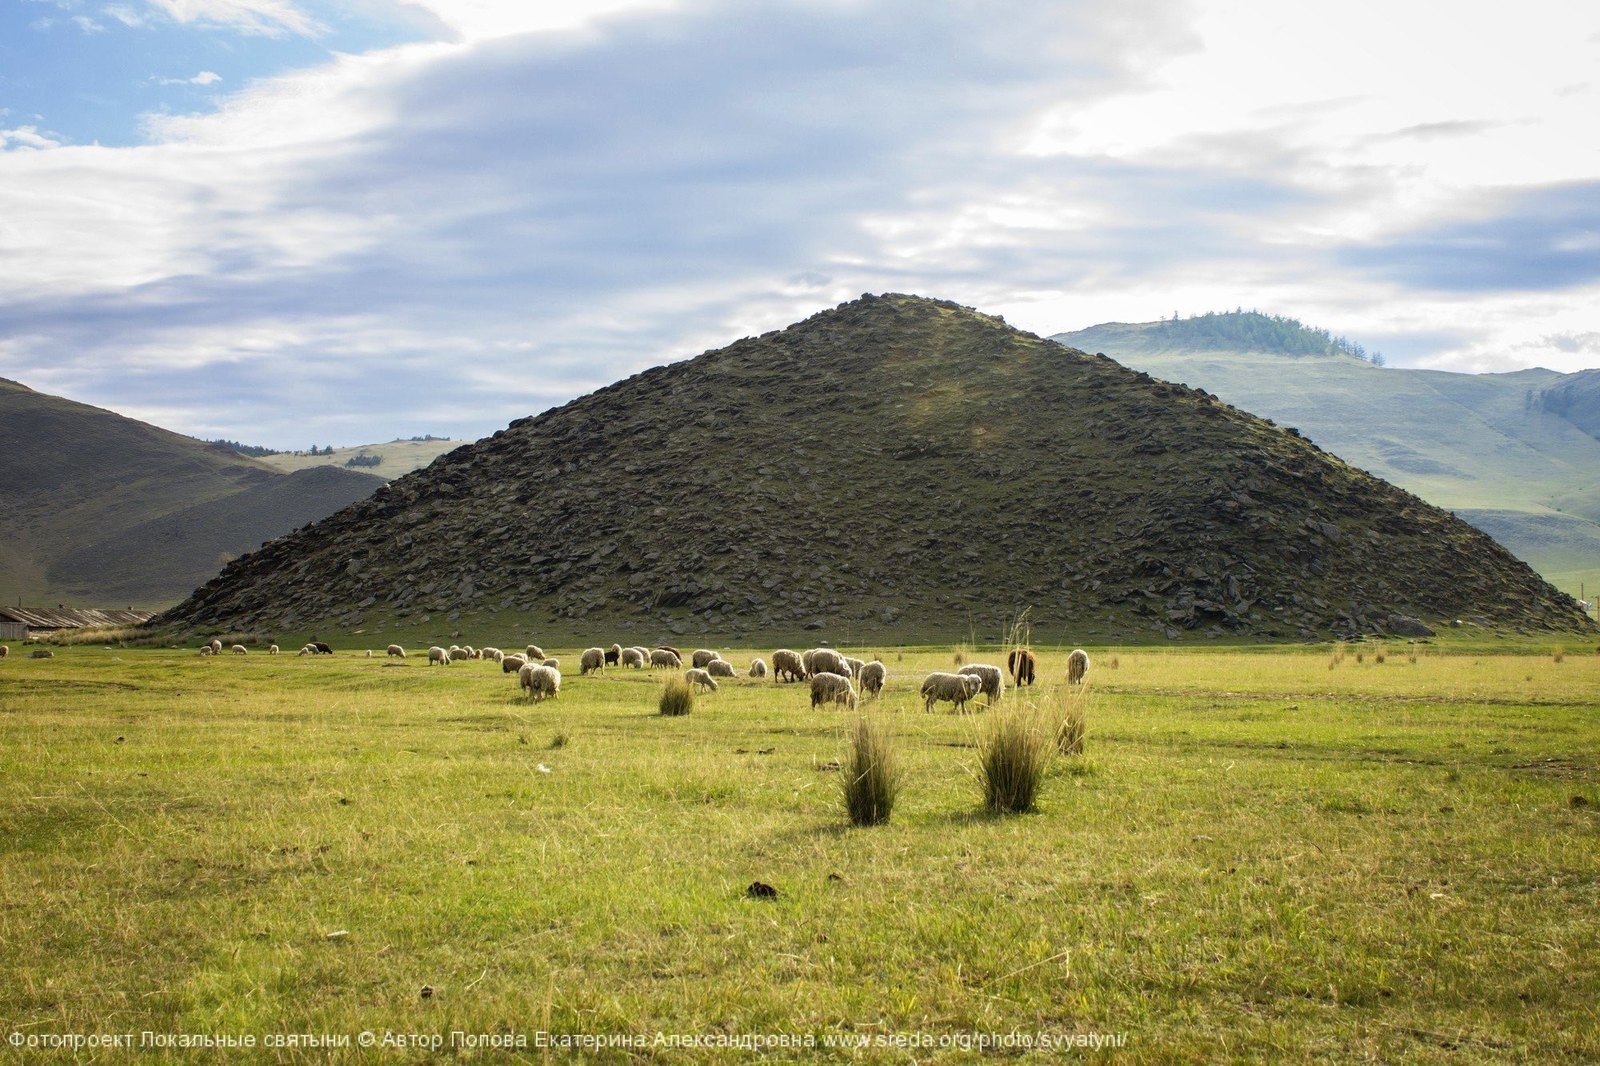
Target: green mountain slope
{"x":103,"y":510}
{"x":895,"y":464}
{"x":1511,"y":453}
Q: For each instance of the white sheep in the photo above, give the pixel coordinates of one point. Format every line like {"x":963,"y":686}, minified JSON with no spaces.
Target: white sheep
{"x":592,"y":659}
{"x":954,"y":688}
{"x":703,"y":656}
{"x":698,"y":678}
{"x":369,"y":653}
{"x":553,"y":663}
{"x":632,"y":657}
{"x":758,"y":668}
{"x":829,"y":687}
{"x":309,"y":649}
{"x":436,"y":654}
{"x":534,"y":652}
{"x":539,"y":681}
{"x":873,"y":675}
{"x":460,"y":654}
{"x":855,"y":666}
{"x":1077,"y":666}
{"x":240,"y":649}
{"x":825,"y":661}
{"x":664,"y":657}
{"x":994,"y":684}
{"x":788,"y":665}
{"x":272,"y":649}
{"x":512,"y":664}
{"x":491,"y":653}
{"x":4,"y":651}
{"x":396,"y":652}
{"x":205,"y":651}
{"x":216,"y":646}
{"x":720,"y":668}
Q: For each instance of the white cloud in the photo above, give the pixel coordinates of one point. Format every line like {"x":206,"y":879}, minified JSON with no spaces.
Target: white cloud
{"x":87,"y":24}
{"x":205,"y":77}
{"x":270,"y":18}
{"x":26,"y":137}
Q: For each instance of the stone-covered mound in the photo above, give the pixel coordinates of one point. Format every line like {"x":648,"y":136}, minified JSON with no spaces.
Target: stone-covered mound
{"x":894,"y":464}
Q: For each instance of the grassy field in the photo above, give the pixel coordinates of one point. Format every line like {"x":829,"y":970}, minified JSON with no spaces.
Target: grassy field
{"x":1288,"y":854}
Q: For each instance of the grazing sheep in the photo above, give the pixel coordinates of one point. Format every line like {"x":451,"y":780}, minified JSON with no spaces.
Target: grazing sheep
{"x":669,"y":647}
{"x":631,"y":657}
{"x":272,"y":649}
{"x":592,"y":659}
{"x":43,"y":653}
{"x":828,"y":687}
{"x":216,"y":646}
{"x":240,"y":649}
{"x":4,"y":651}
{"x":855,"y":666}
{"x":472,"y":653}
{"x":873,"y":675}
{"x":539,"y":681}
{"x":787,"y":666}
{"x":535,"y":652}
{"x":720,"y":668}
{"x":304,"y":650}
{"x":512,"y":663}
{"x":459,"y":654}
{"x":396,"y":652}
{"x":319,"y":648}
{"x":703,"y":656}
{"x":205,"y":651}
{"x":1022,"y":663}
{"x":553,"y":663}
{"x":614,"y":655}
{"x":825,"y":661}
{"x":758,"y":668}
{"x":698,"y":678}
{"x":665,"y":657}
{"x":954,"y":688}
{"x":994,"y":685}
{"x":369,"y":653}
{"x":438,"y":655}
{"x":1077,"y":666}
{"x":491,"y":653}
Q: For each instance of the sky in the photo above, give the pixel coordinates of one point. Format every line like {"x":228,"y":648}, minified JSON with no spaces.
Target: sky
{"x":289,"y":222}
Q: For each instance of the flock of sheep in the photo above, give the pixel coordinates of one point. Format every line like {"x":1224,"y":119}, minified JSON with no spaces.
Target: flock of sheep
{"x":835,"y":678}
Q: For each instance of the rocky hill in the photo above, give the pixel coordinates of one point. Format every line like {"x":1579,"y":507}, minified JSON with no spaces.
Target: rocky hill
{"x":895,"y":464}
{"x":99,"y":509}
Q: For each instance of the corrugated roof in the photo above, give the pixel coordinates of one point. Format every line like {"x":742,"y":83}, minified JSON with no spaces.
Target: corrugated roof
{"x":70,"y":617}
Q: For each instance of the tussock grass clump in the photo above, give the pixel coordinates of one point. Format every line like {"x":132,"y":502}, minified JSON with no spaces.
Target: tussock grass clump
{"x":960,"y":654}
{"x":1379,"y":656}
{"x":1558,"y":654}
{"x":677,"y":698}
{"x":1070,"y":733}
{"x":1113,"y":662}
{"x":1012,"y":757}
{"x":871,"y":777}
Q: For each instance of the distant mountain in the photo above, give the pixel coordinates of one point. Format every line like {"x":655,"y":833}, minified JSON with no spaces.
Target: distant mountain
{"x":1516,"y":454}
{"x":388,"y":461}
{"x":893,"y":465}
{"x":101,"y":510}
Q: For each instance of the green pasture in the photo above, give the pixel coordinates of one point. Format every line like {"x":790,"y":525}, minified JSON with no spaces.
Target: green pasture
{"x":1263,"y":855}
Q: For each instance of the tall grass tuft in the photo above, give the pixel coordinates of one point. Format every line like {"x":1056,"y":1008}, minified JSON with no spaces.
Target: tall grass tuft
{"x":1558,"y":654}
{"x":871,"y":777}
{"x":1012,"y":757}
{"x":1379,"y":656}
{"x":960,"y":653}
{"x":677,"y":698}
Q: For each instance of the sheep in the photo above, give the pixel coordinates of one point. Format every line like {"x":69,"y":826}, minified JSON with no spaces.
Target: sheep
{"x":873,"y":675}
{"x":205,"y":651}
{"x":1021,"y":662}
{"x":4,"y":651}
{"x":539,"y":681}
{"x":855,"y":666}
{"x":535,"y":652}
{"x":438,"y":655}
{"x":994,"y":684}
{"x":216,"y":646}
{"x":304,"y":650}
{"x":703,"y":656}
{"x":316,"y":647}
{"x":459,"y":654}
{"x":758,"y":668}
{"x":43,"y":653}
{"x":955,"y":688}
{"x":272,"y":649}
{"x":787,"y":665}
{"x":1077,"y":666}
{"x":592,"y":659}
{"x":240,"y":649}
{"x":665,"y":657}
{"x":828,"y":687}
{"x":700,"y":679}
{"x":720,"y":668}
{"x":491,"y":653}
{"x":512,"y":663}
{"x":669,"y":647}
{"x":553,"y":663}
{"x":825,"y":661}
{"x":614,"y":655}
{"x":369,"y":653}
{"x":396,"y":652}
{"x":631,"y":657}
